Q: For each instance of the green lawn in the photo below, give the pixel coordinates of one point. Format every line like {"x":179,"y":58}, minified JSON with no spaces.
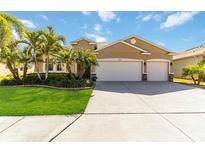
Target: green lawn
{"x":42,"y":101}
{"x":186,"y":81}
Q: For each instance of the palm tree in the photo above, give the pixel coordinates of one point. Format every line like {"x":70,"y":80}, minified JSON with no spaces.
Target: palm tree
{"x":9,"y":56}
{"x":8,"y":24}
{"x":67,"y":56}
{"x":34,"y":42}
{"x":51,"y":45}
{"x":25,"y":59}
{"x":85,"y":59}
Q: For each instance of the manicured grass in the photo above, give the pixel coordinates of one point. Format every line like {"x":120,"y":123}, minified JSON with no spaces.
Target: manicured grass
{"x":186,"y":81}
{"x":42,"y":101}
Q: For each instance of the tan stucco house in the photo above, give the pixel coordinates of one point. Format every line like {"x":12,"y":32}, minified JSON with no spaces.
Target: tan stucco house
{"x":188,"y":57}
{"x":5,"y":71}
{"x":129,"y":59}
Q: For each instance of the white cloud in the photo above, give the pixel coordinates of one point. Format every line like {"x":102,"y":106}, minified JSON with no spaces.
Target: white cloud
{"x":85,"y":26}
{"x":109,"y":32}
{"x":97,"y":38}
{"x":187,"y":39}
{"x":161,"y":43}
{"x":28,"y":23}
{"x":107,"y":16}
{"x":177,"y":19}
{"x":139,"y":16}
{"x":98,"y":28}
{"x":86,"y":12}
{"x":118,"y":19}
{"x":64,"y":21}
{"x":44,"y":17}
{"x":157,"y":17}
{"x":147,"y":17}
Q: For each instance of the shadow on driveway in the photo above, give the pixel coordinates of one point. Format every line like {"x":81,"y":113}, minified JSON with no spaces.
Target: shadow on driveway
{"x":144,"y":88}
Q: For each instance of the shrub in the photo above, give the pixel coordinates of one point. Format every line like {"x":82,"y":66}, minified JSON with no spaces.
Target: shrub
{"x":6,"y":77}
{"x":11,"y":82}
{"x":54,"y":79}
{"x":196,"y":72}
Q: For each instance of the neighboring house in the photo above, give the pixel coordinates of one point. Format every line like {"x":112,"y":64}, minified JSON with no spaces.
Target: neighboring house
{"x":5,"y":71}
{"x":188,"y":57}
{"x":129,"y":59}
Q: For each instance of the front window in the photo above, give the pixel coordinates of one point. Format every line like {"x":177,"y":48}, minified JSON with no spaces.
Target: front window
{"x":59,"y":67}
{"x":50,"y":67}
{"x":203,"y":59}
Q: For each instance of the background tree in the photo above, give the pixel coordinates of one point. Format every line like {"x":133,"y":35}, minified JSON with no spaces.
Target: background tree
{"x":8,"y":24}
{"x":196,"y":72}
{"x":67,"y":56}
{"x":51,"y":45}
{"x":85,"y":59}
{"x":9,"y":56}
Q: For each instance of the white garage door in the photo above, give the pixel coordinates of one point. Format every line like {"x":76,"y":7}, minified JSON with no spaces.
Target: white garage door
{"x":119,"y":71}
{"x":157,"y":71}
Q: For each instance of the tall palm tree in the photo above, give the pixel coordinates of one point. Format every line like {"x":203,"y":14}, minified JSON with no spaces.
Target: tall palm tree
{"x":9,"y":56}
{"x":51,"y":45}
{"x":9,"y":23}
{"x":85,"y":59}
{"x":67,"y":56}
{"x":25,"y":59}
{"x":34,"y":42}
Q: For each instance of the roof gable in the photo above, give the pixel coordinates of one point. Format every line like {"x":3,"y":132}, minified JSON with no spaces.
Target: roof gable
{"x":125,"y":43}
{"x":146,"y":41}
{"x":135,"y":46}
{"x":83,"y":39}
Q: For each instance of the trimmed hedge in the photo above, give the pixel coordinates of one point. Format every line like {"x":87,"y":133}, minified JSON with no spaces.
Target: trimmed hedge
{"x":54,"y":79}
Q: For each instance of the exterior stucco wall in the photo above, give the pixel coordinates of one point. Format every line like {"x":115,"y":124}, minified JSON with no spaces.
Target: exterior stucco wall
{"x":42,"y":68}
{"x":120,"y":50}
{"x":156,"y":52}
{"x":3,"y":70}
{"x":179,"y":64}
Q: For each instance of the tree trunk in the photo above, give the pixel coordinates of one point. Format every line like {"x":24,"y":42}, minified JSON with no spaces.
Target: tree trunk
{"x":25,"y":69}
{"x":13,"y":71}
{"x":193,"y":79}
{"x":47,"y":66}
{"x":81,"y":72}
{"x":69,"y":70}
{"x":36,"y":68}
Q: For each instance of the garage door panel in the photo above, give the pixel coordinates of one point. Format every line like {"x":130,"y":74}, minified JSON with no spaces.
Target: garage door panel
{"x":157,"y":71}
{"x":119,"y":71}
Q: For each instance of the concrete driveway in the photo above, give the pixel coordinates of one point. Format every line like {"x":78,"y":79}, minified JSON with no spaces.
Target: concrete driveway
{"x":121,"y":111}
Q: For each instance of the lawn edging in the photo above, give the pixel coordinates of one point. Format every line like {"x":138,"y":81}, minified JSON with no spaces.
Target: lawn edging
{"x":191,"y":84}
{"x":51,"y":87}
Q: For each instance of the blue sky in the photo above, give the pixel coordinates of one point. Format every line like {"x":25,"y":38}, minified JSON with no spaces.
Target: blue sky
{"x":176,"y":31}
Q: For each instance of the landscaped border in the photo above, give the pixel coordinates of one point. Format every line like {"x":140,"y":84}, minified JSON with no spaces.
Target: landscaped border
{"x":51,"y":87}
{"x":190,"y":84}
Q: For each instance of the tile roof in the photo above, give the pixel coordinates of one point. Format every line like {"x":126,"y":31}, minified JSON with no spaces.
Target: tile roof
{"x":200,"y":50}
